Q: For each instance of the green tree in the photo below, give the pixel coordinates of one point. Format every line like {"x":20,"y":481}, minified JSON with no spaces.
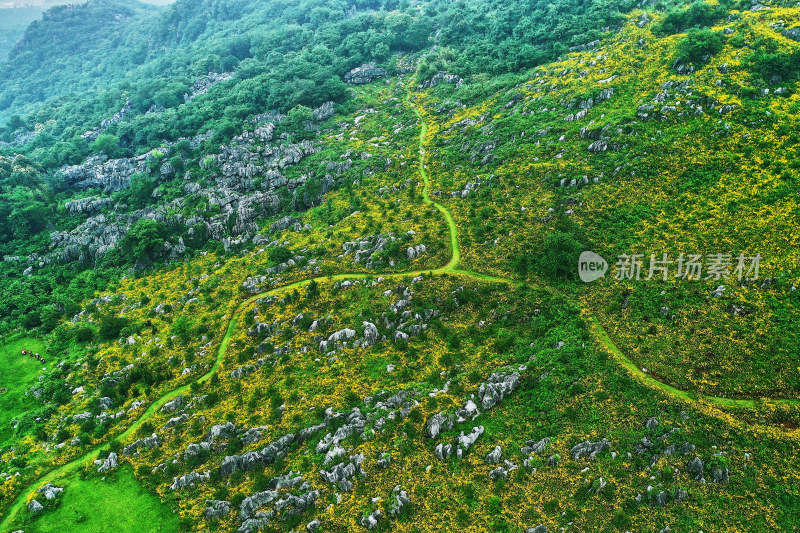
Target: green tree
{"x":699,"y":45}
{"x":107,"y":144}
{"x":145,"y":239}
{"x":140,"y":192}
{"x":559,"y":257}
{"x":279,"y":254}
{"x":111,"y":326}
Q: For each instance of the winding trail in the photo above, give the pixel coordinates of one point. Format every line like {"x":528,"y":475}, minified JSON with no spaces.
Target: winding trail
{"x":452,"y":267}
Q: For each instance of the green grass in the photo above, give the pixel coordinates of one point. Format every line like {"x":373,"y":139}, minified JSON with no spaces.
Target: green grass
{"x":19,"y":373}
{"x":97,"y":506}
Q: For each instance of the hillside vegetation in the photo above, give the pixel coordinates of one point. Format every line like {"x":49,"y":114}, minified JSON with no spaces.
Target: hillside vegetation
{"x":313,"y":266}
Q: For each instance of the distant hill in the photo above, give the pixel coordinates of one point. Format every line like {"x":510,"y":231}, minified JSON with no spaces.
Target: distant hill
{"x":13,"y":21}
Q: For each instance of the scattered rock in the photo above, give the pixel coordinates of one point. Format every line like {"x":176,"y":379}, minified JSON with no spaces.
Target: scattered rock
{"x":35,"y":507}
{"x":50,"y":491}
{"x":399,"y":500}
{"x":365,"y":74}
{"x":589,"y":448}
{"x":371,"y":521}
{"x":541,"y":528}
{"x":696,"y":469}
{"x":109,"y":464}
{"x":494,"y":456}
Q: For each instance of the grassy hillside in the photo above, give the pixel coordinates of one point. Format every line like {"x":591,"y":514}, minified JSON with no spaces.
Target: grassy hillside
{"x":354,"y":303}
{"x":701,"y":162}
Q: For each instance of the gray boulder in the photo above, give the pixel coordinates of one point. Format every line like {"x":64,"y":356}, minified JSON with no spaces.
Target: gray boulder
{"x":251,"y":503}
{"x":591,"y":449}
{"x":535,"y":446}
{"x":399,"y":500}
{"x":499,"y":473}
{"x":365,"y":74}
{"x":438,"y":423}
{"x":696,"y":469}
{"x":217,"y":508}
{"x":189,"y":479}
{"x":370,"y":333}
{"x":109,"y":464}
{"x":494,"y":456}
{"x":174,"y":404}
{"x":541,"y":528}
{"x":371,"y":521}
{"x":465,"y":441}
{"x":35,"y":507}
{"x":50,"y":491}
{"x":721,"y":475}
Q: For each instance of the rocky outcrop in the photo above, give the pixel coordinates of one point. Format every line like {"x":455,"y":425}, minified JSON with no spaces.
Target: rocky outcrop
{"x":109,"y":463}
{"x":442,"y":77}
{"x":50,"y":491}
{"x":494,"y":456}
{"x":365,"y":74}
{"x":535,"y":446}
{"x":247,"y":188}
{"x":792,"y":33}
{"x":109,"y":175}
{"x":323,"y":112}
{"x":91,"y":240}
{"x":89,"y":205}
{"x":189,"y":480}
{"x":356,"y":422}
{"x":343,"y":472}
{"x":250,"y":460}
{"x":370,"y":333}
{"x":91,"y":135}
{"x":202,"y":84}
{"x":461,"y":444}
{"x":438,"y":423}
{"x":221,"y":431}
{"x":217,"y":508}
{"x":370,"y":521}
{"x":412,"y":252}
{"x":148,"y":442}
{"x":590,"y":449}
{"x":696,"y":468}
{"x":364,"y":249}
{"x":496,"y":388}
{"x":399,"y":500}
{"x":35,"y":507}
{"x":174,"y":404}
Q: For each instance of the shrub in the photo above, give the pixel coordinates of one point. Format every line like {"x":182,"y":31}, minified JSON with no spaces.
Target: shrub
{"x":697,"y":15}
{"x":769,"y":62}
{"x":560,"y":255}
{"x":699,"y":45}
{"x":279,"y":254}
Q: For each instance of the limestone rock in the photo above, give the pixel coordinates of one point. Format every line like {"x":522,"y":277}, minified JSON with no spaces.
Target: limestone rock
{"x":35,"y":507}
{"x":109,"y":464}
{"x":591,"y":449}
{"x":217,"y":508}
{"x":364,"y":74}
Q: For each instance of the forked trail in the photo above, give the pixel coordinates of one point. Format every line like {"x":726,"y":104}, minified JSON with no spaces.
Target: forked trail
{"x":452,"y":267}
